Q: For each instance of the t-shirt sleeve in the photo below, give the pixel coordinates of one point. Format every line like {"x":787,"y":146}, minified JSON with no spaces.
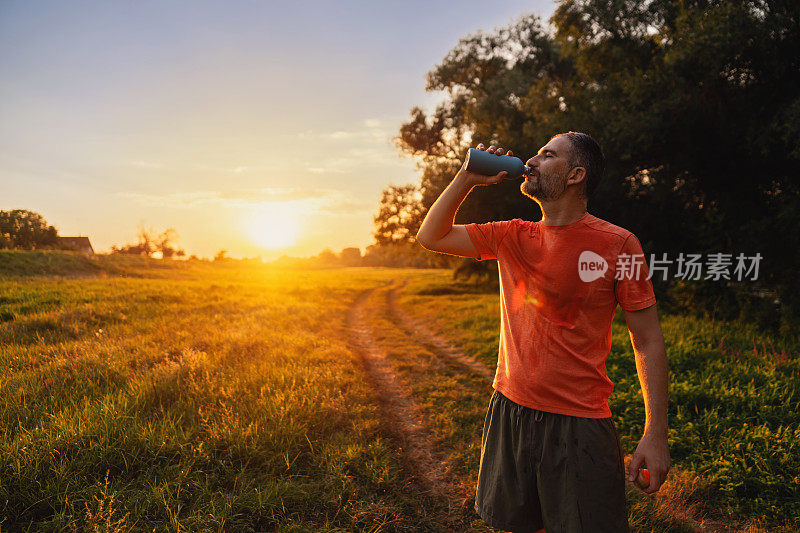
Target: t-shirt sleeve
{"x":632,"y":286}
{"x":487,"y":237}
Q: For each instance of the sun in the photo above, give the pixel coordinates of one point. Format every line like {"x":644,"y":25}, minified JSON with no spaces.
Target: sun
{"x":274,"y":225}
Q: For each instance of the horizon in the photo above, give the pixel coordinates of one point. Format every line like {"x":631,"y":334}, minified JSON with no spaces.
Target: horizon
{"x":258,"y":129}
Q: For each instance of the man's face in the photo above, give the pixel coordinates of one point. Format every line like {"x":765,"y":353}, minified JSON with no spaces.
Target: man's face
{"x":551,"y":166}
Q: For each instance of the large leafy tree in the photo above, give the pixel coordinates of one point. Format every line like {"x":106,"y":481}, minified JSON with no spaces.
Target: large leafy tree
{"x":696,"y":104}
{"x":26,"y":230}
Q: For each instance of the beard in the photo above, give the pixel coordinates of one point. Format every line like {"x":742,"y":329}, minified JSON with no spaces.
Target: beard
{"x":543,"y":188}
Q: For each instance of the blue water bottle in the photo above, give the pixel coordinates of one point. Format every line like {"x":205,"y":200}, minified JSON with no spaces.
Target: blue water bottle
{"x":489,"y":164}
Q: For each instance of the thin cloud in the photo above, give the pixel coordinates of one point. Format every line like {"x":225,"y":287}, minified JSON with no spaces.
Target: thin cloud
{"x":238,"y":169}
{"x":309,"y":200}
{"x":373,"y":131}
{"x":353,"y":160}
{"x":146,"y":164}
{"x":330,"y":168}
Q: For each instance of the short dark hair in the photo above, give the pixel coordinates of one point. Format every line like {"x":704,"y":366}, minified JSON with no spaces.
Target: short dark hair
{"x":586,"y":153}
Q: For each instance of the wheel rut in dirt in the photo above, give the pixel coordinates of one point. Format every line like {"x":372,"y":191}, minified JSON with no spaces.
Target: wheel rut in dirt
{"x":405,"y":416}
{"x":434,"y":342}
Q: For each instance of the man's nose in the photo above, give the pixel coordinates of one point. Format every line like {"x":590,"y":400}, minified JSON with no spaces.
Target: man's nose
{"x":531,"y":161}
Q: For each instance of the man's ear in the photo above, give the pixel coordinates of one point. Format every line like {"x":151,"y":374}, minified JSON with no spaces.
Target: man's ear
{"x":576,"y":176}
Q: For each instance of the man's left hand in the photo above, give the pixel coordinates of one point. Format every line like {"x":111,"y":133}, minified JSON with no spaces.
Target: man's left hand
{"x":653,"y":452}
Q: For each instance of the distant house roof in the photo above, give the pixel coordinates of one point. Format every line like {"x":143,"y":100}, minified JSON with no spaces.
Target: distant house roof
{"x":81,"y":244}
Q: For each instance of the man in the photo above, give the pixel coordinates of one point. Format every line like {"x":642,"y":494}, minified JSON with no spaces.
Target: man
{"x":550,"y":455}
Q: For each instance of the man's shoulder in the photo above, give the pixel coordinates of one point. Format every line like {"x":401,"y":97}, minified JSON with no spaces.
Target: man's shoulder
{"x":612,"y":231}
{"x":510,"y":225}
{"x":514,"y":221}
{"x":594,"y":224}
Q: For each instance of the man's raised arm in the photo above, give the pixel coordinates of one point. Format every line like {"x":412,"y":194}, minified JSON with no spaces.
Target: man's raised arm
{"x":437,"y":232}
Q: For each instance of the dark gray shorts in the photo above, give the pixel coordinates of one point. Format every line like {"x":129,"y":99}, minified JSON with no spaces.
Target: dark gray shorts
{"x":544,"y":470}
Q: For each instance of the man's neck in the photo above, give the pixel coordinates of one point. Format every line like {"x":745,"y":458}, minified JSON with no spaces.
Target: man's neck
{"x":559,"y":213}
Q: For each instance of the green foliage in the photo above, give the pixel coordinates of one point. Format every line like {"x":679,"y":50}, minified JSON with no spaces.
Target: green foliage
{"x":734,"y":399}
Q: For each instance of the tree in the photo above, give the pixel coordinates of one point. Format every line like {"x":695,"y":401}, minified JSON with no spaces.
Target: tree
{"x":163,"y":244}
{"x":148,"y":243}
{"x":399,"y":215}
{"x":351,"y":256}
{"x":327,"y":257}
{"x":26,"y":230}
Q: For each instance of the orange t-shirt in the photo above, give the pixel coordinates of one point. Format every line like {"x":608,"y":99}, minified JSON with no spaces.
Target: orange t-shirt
{"x":559,"y":288}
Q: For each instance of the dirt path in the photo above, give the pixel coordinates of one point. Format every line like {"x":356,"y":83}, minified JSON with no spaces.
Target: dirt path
{"x":430,"y":340}
{"x":405,"y":417}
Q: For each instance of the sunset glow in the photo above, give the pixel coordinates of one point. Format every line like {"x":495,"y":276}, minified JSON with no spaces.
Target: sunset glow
{"x":191,"y":116}
{"x":274,"y":225}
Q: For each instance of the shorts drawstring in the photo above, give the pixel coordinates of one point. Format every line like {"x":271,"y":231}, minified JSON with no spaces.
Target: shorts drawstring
{"x":516,"y":411}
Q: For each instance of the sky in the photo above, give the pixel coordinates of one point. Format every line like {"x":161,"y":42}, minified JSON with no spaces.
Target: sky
{"x":260,"y":128}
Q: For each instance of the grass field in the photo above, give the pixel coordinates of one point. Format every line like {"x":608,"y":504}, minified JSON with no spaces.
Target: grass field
{"x":201,"y":396}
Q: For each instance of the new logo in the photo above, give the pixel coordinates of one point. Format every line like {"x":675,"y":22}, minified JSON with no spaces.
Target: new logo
{"x":591,"y":266}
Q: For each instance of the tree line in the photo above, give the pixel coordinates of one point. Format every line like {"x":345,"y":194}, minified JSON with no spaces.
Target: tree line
{"x":22,"y":229}
{"x":695,"y":103}
{"x":396,"y":254}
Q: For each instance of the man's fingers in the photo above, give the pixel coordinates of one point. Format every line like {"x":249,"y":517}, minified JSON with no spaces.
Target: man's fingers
{"x":492,"y":149}
{"x":633,"y":469}
{"x":655,"y":484}
{"x":500,"y":176}
{"x":657,"y":478}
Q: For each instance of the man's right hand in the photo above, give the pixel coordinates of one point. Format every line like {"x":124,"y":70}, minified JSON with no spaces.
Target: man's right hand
{"x":480,"y":179}
{"x":437,"y":232}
